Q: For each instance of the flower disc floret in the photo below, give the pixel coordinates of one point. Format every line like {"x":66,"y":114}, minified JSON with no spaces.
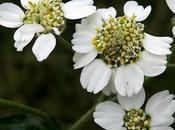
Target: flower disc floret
{"x":119,"y":41}
{"x":137,"y":120}
{"x":48,"y":13}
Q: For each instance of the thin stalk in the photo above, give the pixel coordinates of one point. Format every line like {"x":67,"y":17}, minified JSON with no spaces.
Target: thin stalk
{"x":11,"y":105}
{"x":171,"y":65}
{"x":78,"y":125}
{"x":65,"y":43}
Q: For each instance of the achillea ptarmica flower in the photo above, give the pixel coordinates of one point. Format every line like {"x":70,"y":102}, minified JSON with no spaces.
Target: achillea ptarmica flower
{"x":128,"y":114}
{"x":116,"y":53}
{"x":171,"y":5}
{"x":43,"y":18}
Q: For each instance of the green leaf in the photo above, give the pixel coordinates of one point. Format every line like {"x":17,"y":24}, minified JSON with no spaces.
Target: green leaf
{"x":24,"y":122}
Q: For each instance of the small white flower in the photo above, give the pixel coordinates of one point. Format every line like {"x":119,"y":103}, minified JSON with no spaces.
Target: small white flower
{"x":116,"y":53}
{"x":128,"y":114}
{"x":42,"y":17}
{"x":171,"y":5}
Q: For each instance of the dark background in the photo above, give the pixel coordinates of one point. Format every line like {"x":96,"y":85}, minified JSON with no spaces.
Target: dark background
{"x":53,"y":86}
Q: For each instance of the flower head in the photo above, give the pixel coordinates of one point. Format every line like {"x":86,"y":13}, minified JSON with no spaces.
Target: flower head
{"x":42,"y":17}
{"x":116,"y":53}
{"x":128,"y":114}
{"x":171,"y":5}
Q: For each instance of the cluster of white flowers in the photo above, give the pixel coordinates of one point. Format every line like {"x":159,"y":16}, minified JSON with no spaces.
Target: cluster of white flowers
{"x":42,"y":17}
{"x":114,"y":51}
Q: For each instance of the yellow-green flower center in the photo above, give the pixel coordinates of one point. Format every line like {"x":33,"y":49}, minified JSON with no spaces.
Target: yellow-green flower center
{"x":48,"y":13}
{"x":137,"y":120}
{"x":119,"y":41}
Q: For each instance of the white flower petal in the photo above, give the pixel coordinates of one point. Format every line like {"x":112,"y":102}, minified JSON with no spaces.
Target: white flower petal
{"x":110,"y":88}
{"x":161,"y":107}
{"x":82,"y":41}
{"x":86,"y":29}
{"x":43,"y":46}
{"x":95,"y":76}
{"x":93,"y":22}
{"x":171,"y":4}
{"x":162,"y":128}
{"x":109,"y":115}
{"x":107,"y":13}
{"x":87,"y":72}
{"x":84,"y":59}
{"x":157,"y":45}
{"x":19,"y":45}
{"x":152,"y":65}
{"x":83,"y":48}
{"x":77,"y":9}
{"x":156,"y":98}
{"x":125,"y":82}
{"x":25,"y":34}
{"x":80,"y":12}
{"x":167,"y":40}
{"x":82,"y":45}
{"x":153,"y":59}
{"x":83,"y":34}
{"x":25,"y":3}
{"x":88,"y":26}
{"x":99,"y":79}
{"x":173,"y":30}
{"x":157,"y":121}
{"x":11,"y":15}
{"x":78,"y":3}
{"x":27,"y":29}
{"x":131,"y":8}
{"x":77,"y":56}
{"x":56,"y":31}
{"x":134,"y":102}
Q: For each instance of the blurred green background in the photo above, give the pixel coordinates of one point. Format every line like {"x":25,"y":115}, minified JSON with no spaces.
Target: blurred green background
{"x":53,"y":86}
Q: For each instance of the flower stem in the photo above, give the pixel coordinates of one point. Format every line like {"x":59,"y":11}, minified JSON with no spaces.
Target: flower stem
{"x":171,"y":65}
{"x":83,"y":119}
{"x":65,"y":43}
{"x":11,"y":105}
{"x":87,"y":115}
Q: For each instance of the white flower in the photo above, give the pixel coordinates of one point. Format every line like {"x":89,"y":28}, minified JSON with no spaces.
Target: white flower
{"x":171,"y":5}
{"x":116,"y":53}
{"x":128,"y":114}
{"x":42,"y":17}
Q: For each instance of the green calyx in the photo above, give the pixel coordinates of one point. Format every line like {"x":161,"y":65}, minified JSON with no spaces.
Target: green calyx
{"x":137,"y":120}
{"x":119,"y":41}
{"x":48,"y":13}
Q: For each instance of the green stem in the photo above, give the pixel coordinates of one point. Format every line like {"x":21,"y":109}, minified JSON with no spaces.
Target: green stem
{"x":101,"y":98}
{"x":65,"y":43}
{"x":84,"y":119}
{"x":11,"y":105}
{"x":78,"y":125}
{"x":171,"y":65}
